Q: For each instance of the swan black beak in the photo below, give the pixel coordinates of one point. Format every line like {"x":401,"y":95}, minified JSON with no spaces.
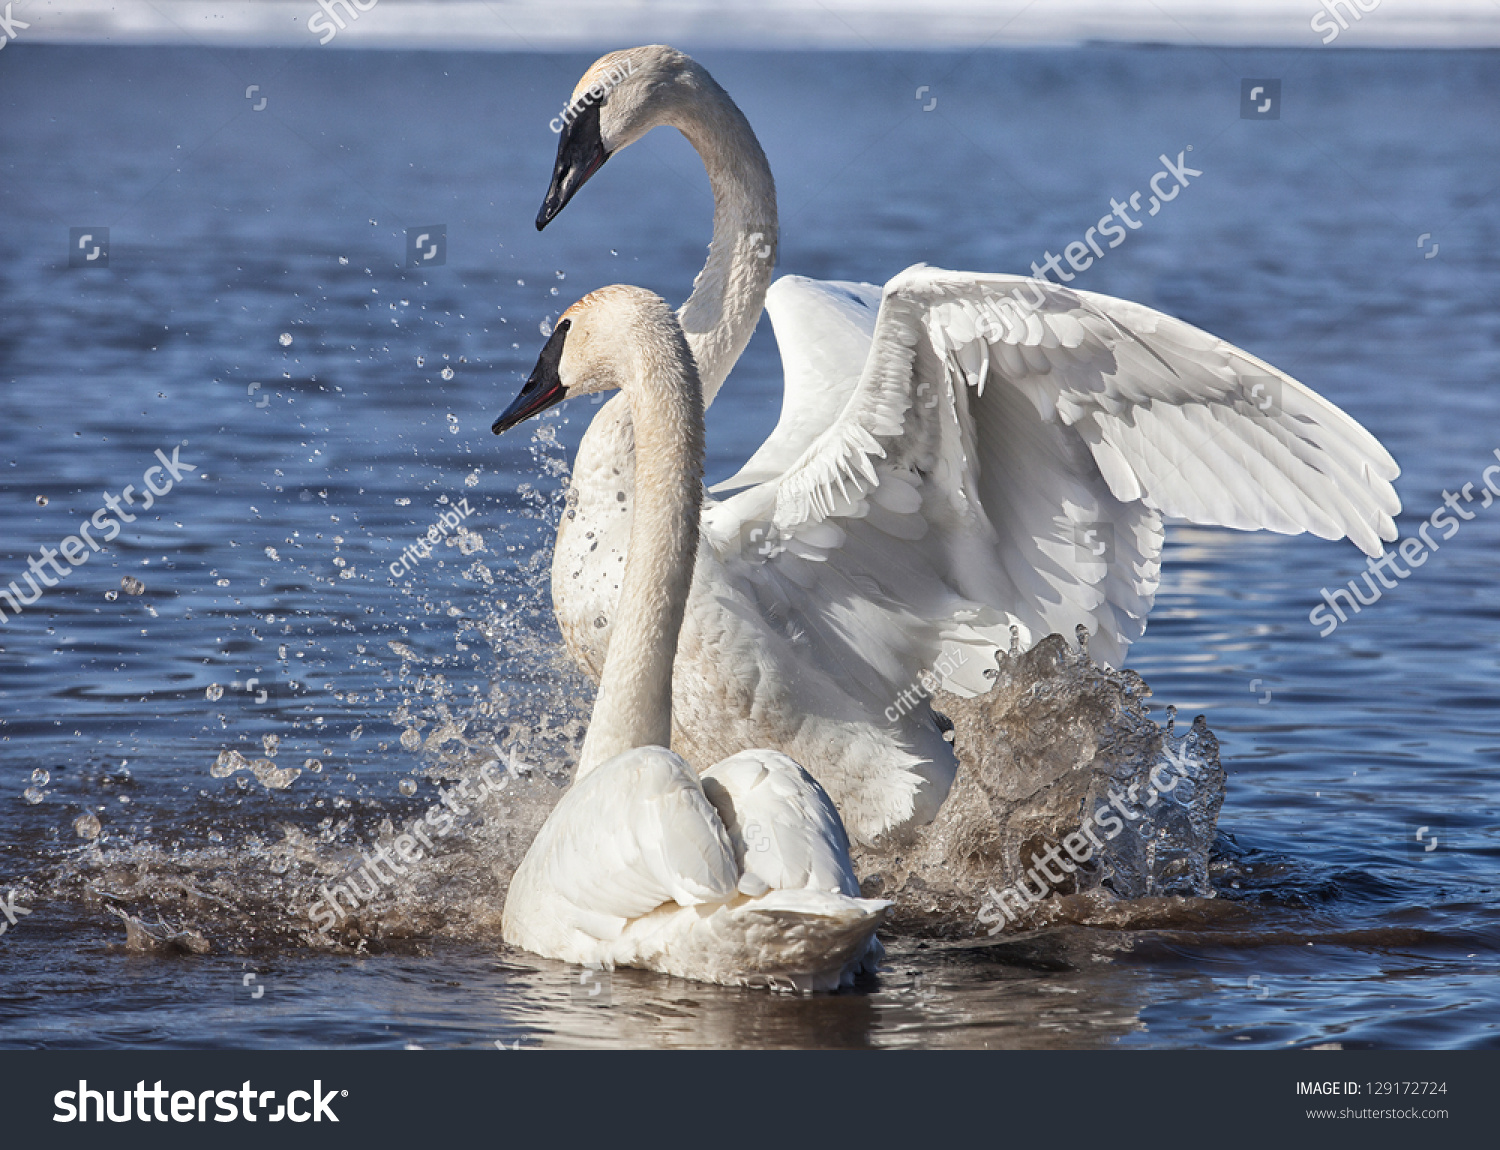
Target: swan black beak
{"x":543,"y":389}
{"x":580,"y":153}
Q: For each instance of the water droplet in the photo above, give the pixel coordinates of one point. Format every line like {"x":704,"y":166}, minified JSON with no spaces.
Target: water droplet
{"x":446,"y":373}
{"x":131,"y":585}
{"x":285,"y":339}
{"x":356,"y":733}
{"x":408,"y":787}
{"x":272,"y":777}
{"x":421,"y":361}
{"x":545,"y":327}
{"x":272,"y":555}
{"x":215,"y":837}
{"x":41,"y":501}
{"x":471,"y":480}
{"x":554,"y":291}
{"x":403,"y":502}
{"x":40,"y":777}
{"x":601,"y":621}
{"x":86,"y":826}
{"x":272,"y":744}
{"x":562,"y":275}
{"x":111,"y":595}
{"x":214,"y":692}
{"x":33,"y":795}
{"x":217,"y":582}
{"x":227,"y":763}
{"x":411,"y":738}
{"x":313,"y":766}
{"x":344,"y":261}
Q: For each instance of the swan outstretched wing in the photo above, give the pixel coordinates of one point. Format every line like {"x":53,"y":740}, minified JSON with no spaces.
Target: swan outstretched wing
{"x":1005,"y":459}
{"x":783,"y":828}
{"x":830,"y":323}
{"x":632,"y":835}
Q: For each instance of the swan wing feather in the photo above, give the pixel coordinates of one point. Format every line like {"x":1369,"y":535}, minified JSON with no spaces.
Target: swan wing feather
{"x":830,"y":324}
{"x":1006,"y":458}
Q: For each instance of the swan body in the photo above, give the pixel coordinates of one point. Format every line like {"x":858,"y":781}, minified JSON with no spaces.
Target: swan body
{"x":637,"y":867}
{"x":740,"y":876}
{"x":958,"y":454}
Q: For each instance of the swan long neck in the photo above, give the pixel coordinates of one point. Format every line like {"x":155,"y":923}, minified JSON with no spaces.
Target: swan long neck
{"x":729,"y":293}
{"x":634,"y":704}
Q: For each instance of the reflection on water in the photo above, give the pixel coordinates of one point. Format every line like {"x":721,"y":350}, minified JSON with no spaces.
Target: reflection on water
{"x":256,"y":313}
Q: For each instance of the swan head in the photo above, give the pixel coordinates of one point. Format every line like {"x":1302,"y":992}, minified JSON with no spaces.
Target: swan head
{"x":592,"y":349}
{"x":621,"y":97}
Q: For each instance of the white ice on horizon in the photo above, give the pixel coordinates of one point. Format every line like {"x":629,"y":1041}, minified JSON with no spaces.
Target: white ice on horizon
{"x":523,"y":25}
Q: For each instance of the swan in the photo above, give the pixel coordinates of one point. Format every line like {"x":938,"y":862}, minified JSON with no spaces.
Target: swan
{"x":958,"y":454}
{"x":740,"y":876}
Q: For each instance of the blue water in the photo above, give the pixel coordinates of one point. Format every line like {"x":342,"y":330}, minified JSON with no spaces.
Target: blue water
{"x":1307,"y":240}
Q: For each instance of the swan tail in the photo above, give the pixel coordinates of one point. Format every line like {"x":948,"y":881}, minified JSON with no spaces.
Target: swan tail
{"x":808,"y":939}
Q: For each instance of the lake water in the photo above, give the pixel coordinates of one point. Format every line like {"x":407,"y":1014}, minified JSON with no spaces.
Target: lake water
{"x":256,"y":317}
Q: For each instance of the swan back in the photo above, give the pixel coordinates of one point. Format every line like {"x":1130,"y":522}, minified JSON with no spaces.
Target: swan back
{"x":624,"y":840}
{"x":782,"y":826}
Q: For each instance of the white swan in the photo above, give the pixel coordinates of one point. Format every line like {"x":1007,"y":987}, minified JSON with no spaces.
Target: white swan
{"x":957,"y":454}
{"x":743,"y":877}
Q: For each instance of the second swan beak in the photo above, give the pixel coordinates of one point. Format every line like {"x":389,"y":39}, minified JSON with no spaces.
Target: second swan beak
{"x":543,"y":389}
{"x":580,"y":153}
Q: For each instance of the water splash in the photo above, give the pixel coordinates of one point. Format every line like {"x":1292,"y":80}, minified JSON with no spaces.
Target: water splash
{"x":1059,"y":761}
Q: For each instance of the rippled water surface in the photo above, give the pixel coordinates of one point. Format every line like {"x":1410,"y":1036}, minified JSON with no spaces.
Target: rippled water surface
{"x":256,"y":317}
